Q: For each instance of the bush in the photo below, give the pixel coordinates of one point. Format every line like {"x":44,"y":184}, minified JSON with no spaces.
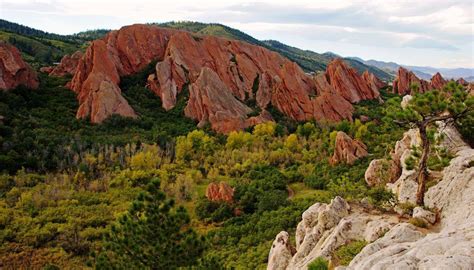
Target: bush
{"x":346,"y":253}
{"x":380,"y":196}
{"x":316,"y":181}
{"x":418,"y":222}
{"x":319,"y":264}
{"x":213,"y":211}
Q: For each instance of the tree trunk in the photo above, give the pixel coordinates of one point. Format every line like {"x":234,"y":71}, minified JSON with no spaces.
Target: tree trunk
{"x":422,"y":165}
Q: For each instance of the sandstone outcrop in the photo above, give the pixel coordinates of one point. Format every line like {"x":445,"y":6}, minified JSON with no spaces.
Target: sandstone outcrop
{"x":250,"y":74}
{"x":394,"y":244}
{"x":347,"y":150}
{"x":348,"y":83}
{"x":220,"y":192}
{"x":13,"y":70}
{"x":67,"y":66}
{"x":404,"y":80}
{"x":461,"y":81}
{"x":404,"y":247}
{"x":437,"y":81}
{"x":323,"y":229}
{"x":374,"y":83}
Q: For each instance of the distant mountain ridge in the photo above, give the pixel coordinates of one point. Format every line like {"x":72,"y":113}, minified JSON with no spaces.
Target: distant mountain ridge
{"x":424,"y":72}
{"x":38,"y":45}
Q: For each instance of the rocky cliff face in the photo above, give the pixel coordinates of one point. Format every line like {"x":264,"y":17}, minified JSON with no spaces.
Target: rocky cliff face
{"x":348,"y":83}
{"x":404,"y":247}
{"x":404,"y":79}
{"x":67,"y":66}
{"x":13,"y":70}
{"x":437,"y":81}
{"x":223,"y":76}
{"x":323,"y":229}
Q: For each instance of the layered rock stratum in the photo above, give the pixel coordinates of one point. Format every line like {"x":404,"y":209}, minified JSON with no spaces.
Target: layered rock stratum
{"x":227,"y":79}
{"x":13,"y":70}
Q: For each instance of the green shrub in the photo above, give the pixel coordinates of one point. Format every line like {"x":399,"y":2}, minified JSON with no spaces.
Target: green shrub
{"x":407,"y":207}
{"x":316,"y":181}
{"x":346,"y":253}
{"x":418,"y":222}
{"x":319,"y":264}
{"x":380,"y":196}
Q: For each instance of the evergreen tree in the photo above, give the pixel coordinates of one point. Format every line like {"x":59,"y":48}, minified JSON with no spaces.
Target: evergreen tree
{"x":450,"y":104}
{"x":152,"y":235}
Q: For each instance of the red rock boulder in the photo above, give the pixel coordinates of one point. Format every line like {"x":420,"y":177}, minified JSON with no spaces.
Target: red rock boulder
{"x":220,"y":192}
{"x":347,"y":150}
{"x":67,"y":66}
{"x":13,"y":70}
{"x":437,"y":81}
{"x":404,"y":80}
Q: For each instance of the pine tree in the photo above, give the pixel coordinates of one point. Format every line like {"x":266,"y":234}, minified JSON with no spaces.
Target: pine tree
{"x":152,"y":235}
{"x":450,"y":104}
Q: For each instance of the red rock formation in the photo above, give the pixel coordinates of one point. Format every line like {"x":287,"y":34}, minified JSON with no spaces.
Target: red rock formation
{"x":67,"y":65}
{"x":437,"y":81}
{"x":348,"y":83}
{"x":405,"y":78}
{"x":347,"y":150}
{"x":220,"y":192}
{"x":46,"y":69}
{"x":223,"y":75}
{"x":373,"y":82}
{"x":13,"y":70}
{"x":461,"y":81}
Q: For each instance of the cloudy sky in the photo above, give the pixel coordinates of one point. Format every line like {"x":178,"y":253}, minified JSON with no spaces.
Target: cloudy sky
{"x":428,"y":32}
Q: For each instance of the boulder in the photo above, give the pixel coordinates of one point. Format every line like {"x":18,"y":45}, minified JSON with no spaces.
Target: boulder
{"x":347,"y":150}
{"x":382,"y":171}
{"x":13,"y":70}
{"x":348,"y":84}
{"x":46,"y":69}
{"x":404,"y":80}
{"x":67,"y":66}
{"x":428,"y":216}
{"x":437,"y":81}
{"x":405,"y":100}
{"x":220,"y":192}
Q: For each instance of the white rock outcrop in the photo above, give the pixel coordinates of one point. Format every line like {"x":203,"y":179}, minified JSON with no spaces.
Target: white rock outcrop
{"x":323,"y":229}
{"x":428,"y":216}
{"x":395,"y":245}
{"x":450,"y":248}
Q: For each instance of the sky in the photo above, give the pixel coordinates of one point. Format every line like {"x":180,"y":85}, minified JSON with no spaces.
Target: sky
{"x":423,"y":33}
